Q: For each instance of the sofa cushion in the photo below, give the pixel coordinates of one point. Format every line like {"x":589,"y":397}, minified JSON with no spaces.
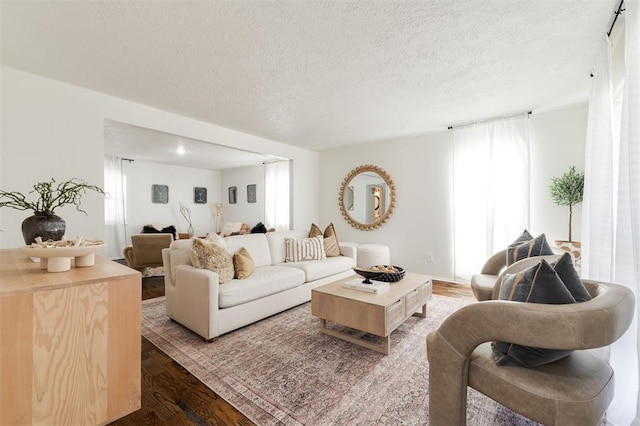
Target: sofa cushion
{"x":305,"y":249}
{"x":255,"y":244}
{"x":569,"y":276}
{"x":520,"y":249}
{"x":242,"y":264}
{"x":537,"y":284}
{"x":212,"y":256}
{"x":263,"y":282}
{"x":317,"y":269}
{"x":277,"y":245}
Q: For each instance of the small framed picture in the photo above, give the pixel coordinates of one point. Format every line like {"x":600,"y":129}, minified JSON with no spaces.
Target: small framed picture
{"x":251,"y":193}
{"x":233,"y":195}
{"x":159,"y":194}
{"x":199,"y":195}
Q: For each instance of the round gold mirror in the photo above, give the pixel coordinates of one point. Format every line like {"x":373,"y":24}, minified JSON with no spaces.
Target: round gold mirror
{"x":367,"y":197}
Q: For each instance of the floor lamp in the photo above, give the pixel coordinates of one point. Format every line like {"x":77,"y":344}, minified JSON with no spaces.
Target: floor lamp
{"x":218,"y":210}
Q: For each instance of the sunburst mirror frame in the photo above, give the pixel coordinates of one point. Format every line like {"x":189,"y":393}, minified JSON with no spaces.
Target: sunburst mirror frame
{"x":391,"y":204}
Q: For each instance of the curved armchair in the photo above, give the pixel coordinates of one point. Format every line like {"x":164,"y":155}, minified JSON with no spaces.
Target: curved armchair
{"x":145,"y":250}
{"x":575,"y":390}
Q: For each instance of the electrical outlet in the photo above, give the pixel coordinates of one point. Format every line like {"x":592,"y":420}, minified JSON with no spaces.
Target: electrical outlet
{"x":429,"y":257}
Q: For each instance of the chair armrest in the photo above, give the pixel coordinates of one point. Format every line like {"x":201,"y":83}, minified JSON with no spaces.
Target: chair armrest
{"x":495,"y":263}
{"x":128,"y":255}
{"x":193,"y":300}
{"x":592,"y":324}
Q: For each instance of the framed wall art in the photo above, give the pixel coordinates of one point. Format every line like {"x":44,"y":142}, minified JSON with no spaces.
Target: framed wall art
{"x":199,"y":195}
{"x":251,"y":193}
{"x":159,"y":194}
{"x":233,"y":195}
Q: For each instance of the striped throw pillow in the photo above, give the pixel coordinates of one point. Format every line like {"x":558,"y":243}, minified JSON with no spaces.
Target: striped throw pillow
{"x":304,"y":249}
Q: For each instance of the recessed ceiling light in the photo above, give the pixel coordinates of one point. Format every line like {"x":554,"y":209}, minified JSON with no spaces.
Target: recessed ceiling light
{"x":180,"y":150}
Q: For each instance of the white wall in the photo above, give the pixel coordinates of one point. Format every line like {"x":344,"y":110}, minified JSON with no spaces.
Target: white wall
{"x":181,"y":181}
{"x":421,"y":168}
{"x":242,"y":211}
{"x":53,"y":129}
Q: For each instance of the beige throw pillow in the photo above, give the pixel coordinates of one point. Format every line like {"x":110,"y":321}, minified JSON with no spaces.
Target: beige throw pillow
{"x":214,"y":257}
{"x":242,"y":264}
{"x":304,"y":249}
{"x":314,"y":231}
{"x":331,"y":246}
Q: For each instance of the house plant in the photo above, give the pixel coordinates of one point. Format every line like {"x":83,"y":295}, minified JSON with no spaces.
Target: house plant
{"x":50,"y":196}
{"x":568,"y":190}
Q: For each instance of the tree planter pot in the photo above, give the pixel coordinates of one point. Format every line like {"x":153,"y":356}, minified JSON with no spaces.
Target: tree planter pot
{"x":46,"y":225}
{"x":573,"y":247}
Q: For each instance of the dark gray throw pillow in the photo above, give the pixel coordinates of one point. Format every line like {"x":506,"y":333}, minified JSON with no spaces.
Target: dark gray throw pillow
{"x":537,"y":284}
{"x":520,"y":249}
{"x":569,"y":276}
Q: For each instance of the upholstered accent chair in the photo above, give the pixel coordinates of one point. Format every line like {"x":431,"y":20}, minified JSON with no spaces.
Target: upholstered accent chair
{"x":575,"y":390}
{"x":145,"y":250}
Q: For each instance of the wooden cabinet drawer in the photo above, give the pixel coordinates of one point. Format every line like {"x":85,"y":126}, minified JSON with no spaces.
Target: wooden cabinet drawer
{"x":395,"y":315}
{"x":413,"y":301}
{"x":425,"y":292}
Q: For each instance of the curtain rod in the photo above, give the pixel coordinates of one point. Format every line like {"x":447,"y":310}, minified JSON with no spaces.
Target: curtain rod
{"x":488,"y":119}
{"x":615,"y":18}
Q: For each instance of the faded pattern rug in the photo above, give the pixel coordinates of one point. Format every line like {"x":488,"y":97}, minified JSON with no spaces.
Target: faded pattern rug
{"x":283,"y":371}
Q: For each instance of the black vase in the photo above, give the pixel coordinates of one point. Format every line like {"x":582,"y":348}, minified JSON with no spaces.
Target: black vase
{"x":46,"y":225}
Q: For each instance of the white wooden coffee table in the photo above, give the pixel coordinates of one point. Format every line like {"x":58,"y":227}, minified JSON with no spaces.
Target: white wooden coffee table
{"x":377,"y":314}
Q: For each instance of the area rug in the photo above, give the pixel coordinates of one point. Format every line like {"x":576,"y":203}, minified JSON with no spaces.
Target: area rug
{"x":283,"y":371}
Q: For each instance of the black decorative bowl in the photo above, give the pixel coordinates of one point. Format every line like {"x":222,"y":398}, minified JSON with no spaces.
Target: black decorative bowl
{"x":392,"y":277}
{"x":368,"y":275}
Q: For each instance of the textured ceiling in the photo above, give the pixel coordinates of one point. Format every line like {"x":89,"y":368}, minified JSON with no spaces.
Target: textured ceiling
{"x":317,"y":74}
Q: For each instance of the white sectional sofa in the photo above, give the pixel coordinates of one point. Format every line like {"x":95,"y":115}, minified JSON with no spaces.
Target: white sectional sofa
{"x":195,"y":299}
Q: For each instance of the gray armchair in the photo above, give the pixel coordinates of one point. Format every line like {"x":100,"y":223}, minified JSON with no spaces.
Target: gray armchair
{"x":575,"y":390}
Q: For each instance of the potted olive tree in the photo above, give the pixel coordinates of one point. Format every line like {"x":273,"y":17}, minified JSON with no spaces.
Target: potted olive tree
{"x":568,"y":190}
{"x":44,"y":223}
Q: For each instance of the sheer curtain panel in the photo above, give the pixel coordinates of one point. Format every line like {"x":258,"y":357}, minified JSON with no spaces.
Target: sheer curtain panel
{"x":115,"y":235}
{"x":612,"y":202}
{"x":277,"y":189}
{"x":490,"y":189}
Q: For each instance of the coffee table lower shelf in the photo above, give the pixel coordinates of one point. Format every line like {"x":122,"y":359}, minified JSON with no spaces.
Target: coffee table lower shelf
{"x":356,"y":339}
{"x":368,"y":313}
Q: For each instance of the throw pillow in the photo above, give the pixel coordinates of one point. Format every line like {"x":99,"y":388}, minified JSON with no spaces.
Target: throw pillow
{"x":304,"y":249}
{"x":331,"y":246}
{"x":569,"y":276}
{"x":314,"y":231}
{"x":537,"y":284}
{"x":242,"y":264}
{"x":259,"y":229}
{"x":214,"y":257}
{"x":534,"y":247}
{"x":213,"y":237}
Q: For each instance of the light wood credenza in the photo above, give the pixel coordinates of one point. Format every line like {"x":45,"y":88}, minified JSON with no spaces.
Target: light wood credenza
{"x":69,"y":342}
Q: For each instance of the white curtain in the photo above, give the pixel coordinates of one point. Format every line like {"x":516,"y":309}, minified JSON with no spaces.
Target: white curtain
{"x":611,"y":225}
{"x":114,"y":207}
{"x":277,"y":188}
{"x":490,"y":189}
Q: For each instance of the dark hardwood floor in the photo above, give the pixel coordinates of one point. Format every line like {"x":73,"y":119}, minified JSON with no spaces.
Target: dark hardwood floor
{"x":172,"y":396}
